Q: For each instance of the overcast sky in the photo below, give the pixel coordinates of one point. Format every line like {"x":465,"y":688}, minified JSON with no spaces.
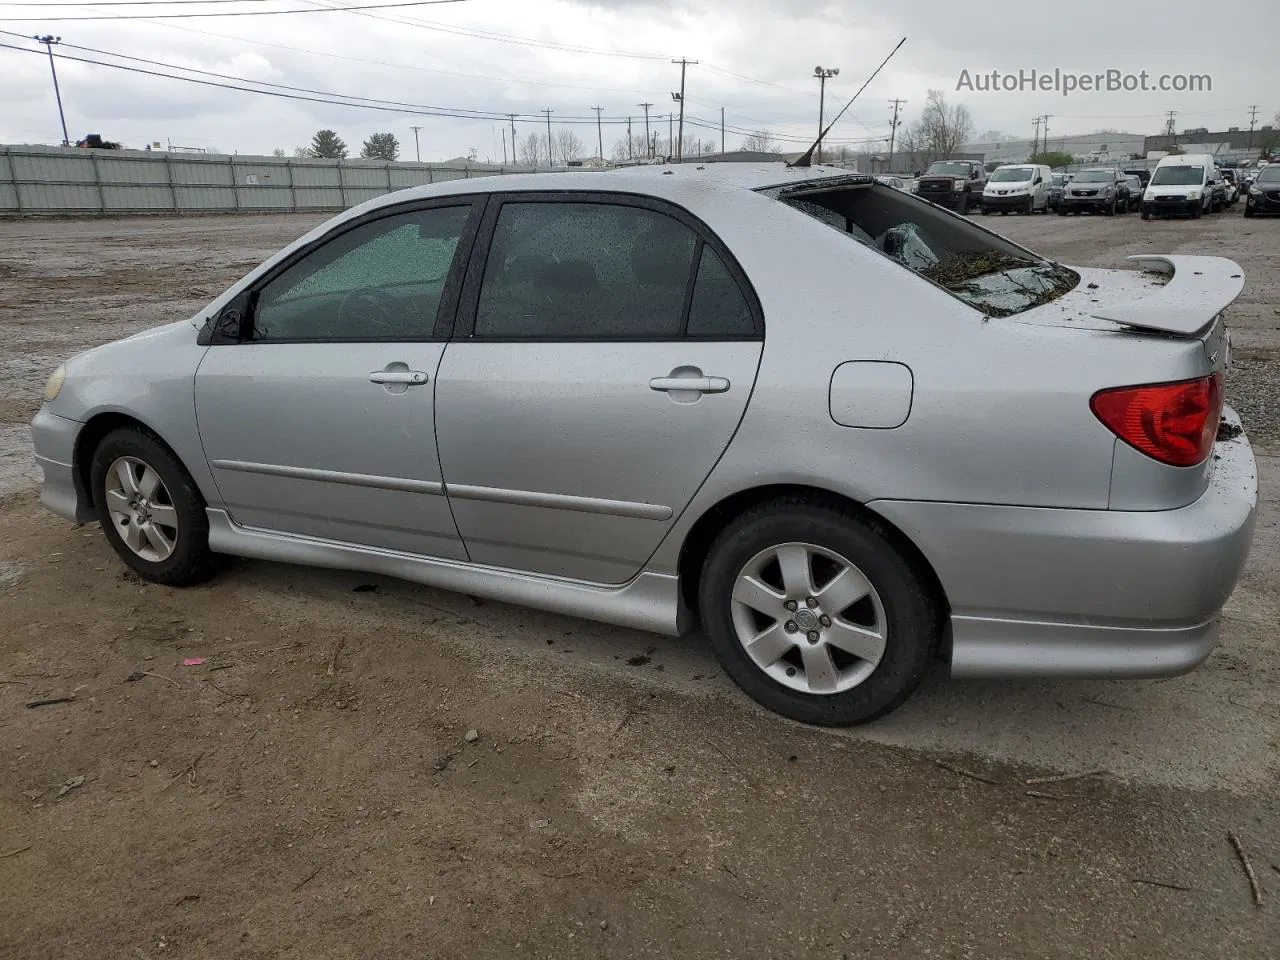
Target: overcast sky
{"x":756,"y":60}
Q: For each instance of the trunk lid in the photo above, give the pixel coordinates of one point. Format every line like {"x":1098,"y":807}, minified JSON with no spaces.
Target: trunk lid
{"x":1179,"y":296}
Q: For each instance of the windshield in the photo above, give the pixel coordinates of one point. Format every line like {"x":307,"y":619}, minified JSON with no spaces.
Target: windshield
{"x":1095,"y":176}
{"x":989,"y":273}
{"x":1059,"y":179}
{"x":1177,"y":176}
{"x":1013,"y":175}
{"x":945,"y":168}
{"x":1268,"y":175}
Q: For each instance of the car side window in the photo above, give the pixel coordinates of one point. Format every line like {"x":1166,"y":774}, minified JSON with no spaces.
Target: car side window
{"x":576,"y":270}
{"x":382,"y":280}
{"x":718,"y":310}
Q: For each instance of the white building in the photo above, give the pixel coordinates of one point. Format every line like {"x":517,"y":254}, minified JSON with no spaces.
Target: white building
{"x":1085,"y":148}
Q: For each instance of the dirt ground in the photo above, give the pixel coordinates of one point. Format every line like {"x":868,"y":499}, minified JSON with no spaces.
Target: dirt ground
{"x":311,"y":790}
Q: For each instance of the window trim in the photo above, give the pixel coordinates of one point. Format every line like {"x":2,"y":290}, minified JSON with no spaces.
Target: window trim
{"x":245,"y":302}
{"x":468,"y":305}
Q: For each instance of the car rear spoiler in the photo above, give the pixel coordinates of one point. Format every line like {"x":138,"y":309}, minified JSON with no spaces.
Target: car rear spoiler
{"x":1199,"y":288}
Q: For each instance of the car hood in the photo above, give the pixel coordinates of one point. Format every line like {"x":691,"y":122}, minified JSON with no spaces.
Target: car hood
{"x":1164,"y":189}
{"x":1168,"y":294}
{"x":1008,"y":185}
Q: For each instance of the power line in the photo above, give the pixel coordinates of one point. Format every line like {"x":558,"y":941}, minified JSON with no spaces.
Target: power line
{"x":233,"y":13}
{"x":229,"y":82}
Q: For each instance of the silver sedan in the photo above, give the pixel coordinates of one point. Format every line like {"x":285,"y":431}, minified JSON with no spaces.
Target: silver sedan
{"x":846,"y":432}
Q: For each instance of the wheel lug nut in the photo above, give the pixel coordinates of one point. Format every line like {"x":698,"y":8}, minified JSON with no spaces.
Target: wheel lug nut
{"x":790,"y":604}
{"x":790,"y":626}
{"x":813,"y":636}
{"x":811,"y":602}
{"x":824,"y":620}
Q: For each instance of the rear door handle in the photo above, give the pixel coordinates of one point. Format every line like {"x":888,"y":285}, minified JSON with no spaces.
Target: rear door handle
{"x":694,"y":384}
{"x":410,"y":378}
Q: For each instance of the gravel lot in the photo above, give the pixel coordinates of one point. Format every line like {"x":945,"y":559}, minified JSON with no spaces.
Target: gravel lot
{"x":309,"y":792}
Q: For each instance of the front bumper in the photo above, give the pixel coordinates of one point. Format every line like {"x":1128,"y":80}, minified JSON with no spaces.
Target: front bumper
{"x":54,"y":438}
{"x":1171,"y":208}
{"x":948,"y":198}
{"x":1005,"y":203}
{"x":1106,"y":593}
{"x":1085,"y":203}
{"x":1264,"y":205}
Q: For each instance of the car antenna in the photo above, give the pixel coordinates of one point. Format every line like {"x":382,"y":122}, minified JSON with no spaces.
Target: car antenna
{"x":806,"y":159}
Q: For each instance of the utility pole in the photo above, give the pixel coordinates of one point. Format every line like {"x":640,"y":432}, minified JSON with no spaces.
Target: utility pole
{"x":1253,"y":118}
{"x":646,"y":107}
{"x":679,"y":98}
{"x":823,"y":75}
{"x":893,"y":130}
{"x":631,"y":154}
{"x":503,"y":131}
{"x":417,"y":152}
{"x":1046,"y":117}
{"x":670,"y":135}
{"x":722,"y":129}
{"x":599,"y":134}
{"x":49,"y":40}
{"x":1035,"y":147}
{"x":1168,"y":124}
{"x":551,"y":160}
{"x":512,"y":118}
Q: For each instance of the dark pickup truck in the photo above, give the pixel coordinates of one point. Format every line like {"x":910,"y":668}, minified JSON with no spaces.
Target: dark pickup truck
{"x":953,"y":183}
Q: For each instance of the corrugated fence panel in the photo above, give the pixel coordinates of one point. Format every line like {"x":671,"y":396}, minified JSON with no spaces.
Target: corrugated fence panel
{"x":132,"y":198}
{"x":58,"y":180}
{"x":201,"y":172}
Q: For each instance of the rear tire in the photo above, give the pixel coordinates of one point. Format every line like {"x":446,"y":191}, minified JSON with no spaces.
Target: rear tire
{"x":878,"y":622}
{"x":150,"y":509}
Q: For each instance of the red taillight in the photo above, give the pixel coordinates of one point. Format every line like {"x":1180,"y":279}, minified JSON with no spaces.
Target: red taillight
{"x":1175,"y":423}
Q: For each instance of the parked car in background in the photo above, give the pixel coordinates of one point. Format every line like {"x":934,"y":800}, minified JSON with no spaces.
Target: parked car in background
{"x":1057,"y":183}
{"x":1232,"y":189}
{"x":1134,"y":200}
{"x":583,"y":393}
{"x":1217,"y":191}
{"x":1142,"y":173}
{"x":1263,"y":196}
{"x":1097,"y":191}
{"x":1017,"y":188}
{"x":1181,"y":185}
{"x":957,"y":184}
{"x":896,"y":182}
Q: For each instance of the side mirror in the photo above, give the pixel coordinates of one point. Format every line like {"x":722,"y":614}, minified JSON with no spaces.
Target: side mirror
{"x":232,"y":324}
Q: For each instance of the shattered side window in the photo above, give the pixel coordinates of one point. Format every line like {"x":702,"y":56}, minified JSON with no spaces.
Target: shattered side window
{"x":991,"y":274}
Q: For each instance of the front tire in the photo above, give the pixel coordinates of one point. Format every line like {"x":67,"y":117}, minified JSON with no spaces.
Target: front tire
{"x":816,"y":613}
{"x":150,"y":509}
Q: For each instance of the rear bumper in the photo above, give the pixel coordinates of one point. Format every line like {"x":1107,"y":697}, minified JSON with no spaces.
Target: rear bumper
{"x":54,"y":439}
{"x":1043,"y":592}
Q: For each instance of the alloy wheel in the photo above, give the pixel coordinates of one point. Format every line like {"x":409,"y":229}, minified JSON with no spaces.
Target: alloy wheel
{"x":141,"y":509}
{"x":809,"y":618}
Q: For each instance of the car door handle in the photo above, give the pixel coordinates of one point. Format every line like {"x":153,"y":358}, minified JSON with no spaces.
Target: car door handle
{"x":695,"y":384}
{"x":410,"y":378}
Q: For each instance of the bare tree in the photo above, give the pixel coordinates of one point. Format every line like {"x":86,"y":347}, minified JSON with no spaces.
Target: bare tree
{"x":568,"y":145}
{"x":278,"y":152}
{"x":761,"y":142}
{"x":942,"y":126}
{"x":301,"y":152}
{"x":533,"y":149}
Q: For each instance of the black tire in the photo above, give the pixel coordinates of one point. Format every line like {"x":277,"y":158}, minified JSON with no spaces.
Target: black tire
{"x":985,"y":210}
{"x":191,"y":560}
{"x":1197,"y":213}
{"x":1062,"y":211}
{"x":1031,"y":207}
{"x":1111,"y":209}
{"x":1248,"y":210}
{"x":1146,"y":215}
{"x":912,"y":614}
{"x":964,"y":204}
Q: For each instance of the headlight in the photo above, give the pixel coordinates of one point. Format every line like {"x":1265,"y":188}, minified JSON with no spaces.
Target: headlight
{"x":959,"y":185}
{"x":1255,"y":192}
{"x":1193,"y":195}
{"x":54,"y":383}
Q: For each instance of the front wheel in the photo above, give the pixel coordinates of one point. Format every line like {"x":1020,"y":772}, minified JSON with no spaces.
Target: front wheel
{"x":817,"y":614}
{"x":1248,"y":211}
{"x":1146,"y":215}
{"x":964,"y":204}
{"x":150,"y":509}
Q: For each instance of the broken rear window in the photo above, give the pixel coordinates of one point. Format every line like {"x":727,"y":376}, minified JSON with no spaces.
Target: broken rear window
{"x":989,"y":273}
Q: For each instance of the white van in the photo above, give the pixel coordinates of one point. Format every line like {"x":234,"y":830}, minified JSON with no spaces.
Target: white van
{"x":1181,"y":185}
{"x":1020,"y":187}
